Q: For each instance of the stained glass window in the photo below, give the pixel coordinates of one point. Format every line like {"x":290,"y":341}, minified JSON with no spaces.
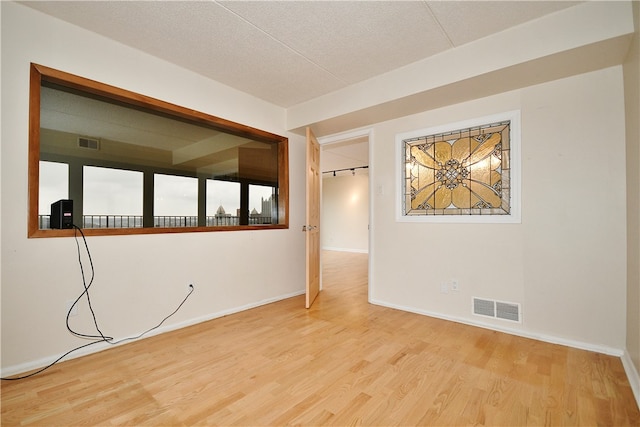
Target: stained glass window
{"x":461,"y":172}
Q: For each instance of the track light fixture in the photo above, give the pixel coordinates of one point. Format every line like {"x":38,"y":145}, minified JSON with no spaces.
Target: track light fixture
{"x":353,"y":170}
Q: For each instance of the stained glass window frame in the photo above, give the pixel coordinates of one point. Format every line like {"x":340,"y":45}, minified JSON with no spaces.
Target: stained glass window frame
{"x":452,"y":173}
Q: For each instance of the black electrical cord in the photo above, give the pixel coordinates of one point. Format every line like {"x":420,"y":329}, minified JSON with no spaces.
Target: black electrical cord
{"x":102,"y":337}
{"x":98,"y":338}
{"x":191,"y":289}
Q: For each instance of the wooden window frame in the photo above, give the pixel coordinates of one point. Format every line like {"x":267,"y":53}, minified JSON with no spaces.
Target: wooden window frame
{"x":40,"y":73}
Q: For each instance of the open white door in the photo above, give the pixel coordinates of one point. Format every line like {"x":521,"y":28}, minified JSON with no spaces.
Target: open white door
{"x":312,"y":227}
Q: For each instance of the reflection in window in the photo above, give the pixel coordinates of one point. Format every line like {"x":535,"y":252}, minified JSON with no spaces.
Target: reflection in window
{"x":173,"y":151}
{"x":223,"y":203}
{"x":112,"y":198}
{"x":54,"y":179}
{"x":261,"y":204}
{"x":175,"y":201}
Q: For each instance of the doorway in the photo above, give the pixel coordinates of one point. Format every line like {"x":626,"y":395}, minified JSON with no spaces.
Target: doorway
{"x":346,"y":195}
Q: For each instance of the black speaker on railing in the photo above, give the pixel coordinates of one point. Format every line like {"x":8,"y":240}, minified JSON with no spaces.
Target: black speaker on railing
{"x":62,"y":214}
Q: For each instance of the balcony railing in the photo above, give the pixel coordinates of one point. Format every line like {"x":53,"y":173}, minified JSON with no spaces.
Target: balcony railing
{"x":112,"y":221}
{"x":135,"y":221}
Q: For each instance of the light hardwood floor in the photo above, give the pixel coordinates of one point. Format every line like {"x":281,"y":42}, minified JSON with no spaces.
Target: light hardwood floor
{"x":343,"y":362}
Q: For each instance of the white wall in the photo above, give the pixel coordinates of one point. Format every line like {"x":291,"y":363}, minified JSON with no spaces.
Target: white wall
{"x":139,"y":279}
{"x":632,"y":106}
{"x":345,"y":213}
{"x":565,"y":263}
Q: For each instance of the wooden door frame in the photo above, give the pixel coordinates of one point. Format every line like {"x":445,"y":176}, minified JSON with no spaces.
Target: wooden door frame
{"x":341,"y":137}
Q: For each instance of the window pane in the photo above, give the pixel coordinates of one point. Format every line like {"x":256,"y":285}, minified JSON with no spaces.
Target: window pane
{"x":175,"y":201}
{"x":261,"y":204}
{"x":54,"y":185}
{"x":112,"y":198}
{"x":223,"y":202}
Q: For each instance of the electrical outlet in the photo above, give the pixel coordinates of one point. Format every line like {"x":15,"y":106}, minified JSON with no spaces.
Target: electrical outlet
{"x":444,"y":288}
{"x":69,"y":306}
{"x":455,"y":286}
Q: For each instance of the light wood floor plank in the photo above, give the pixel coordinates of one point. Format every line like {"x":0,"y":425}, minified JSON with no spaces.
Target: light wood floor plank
{"x":343,"y":362}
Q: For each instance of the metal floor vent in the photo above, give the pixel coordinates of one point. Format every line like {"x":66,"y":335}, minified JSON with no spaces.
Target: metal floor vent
{"x":496,"y":309}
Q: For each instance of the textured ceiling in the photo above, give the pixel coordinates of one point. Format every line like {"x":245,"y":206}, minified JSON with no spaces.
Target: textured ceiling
{"x":288,"y":52}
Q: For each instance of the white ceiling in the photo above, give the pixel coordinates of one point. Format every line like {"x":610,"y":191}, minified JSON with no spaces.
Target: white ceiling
{"x":352,"y":153}
{"x":289,"y":52}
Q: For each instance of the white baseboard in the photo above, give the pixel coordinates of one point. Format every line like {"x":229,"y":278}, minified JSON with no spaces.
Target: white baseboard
{"x":526,"y":334}
{"x":14,"y":370}
{"x":632,"y":375}
{"x":359,"y":251}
